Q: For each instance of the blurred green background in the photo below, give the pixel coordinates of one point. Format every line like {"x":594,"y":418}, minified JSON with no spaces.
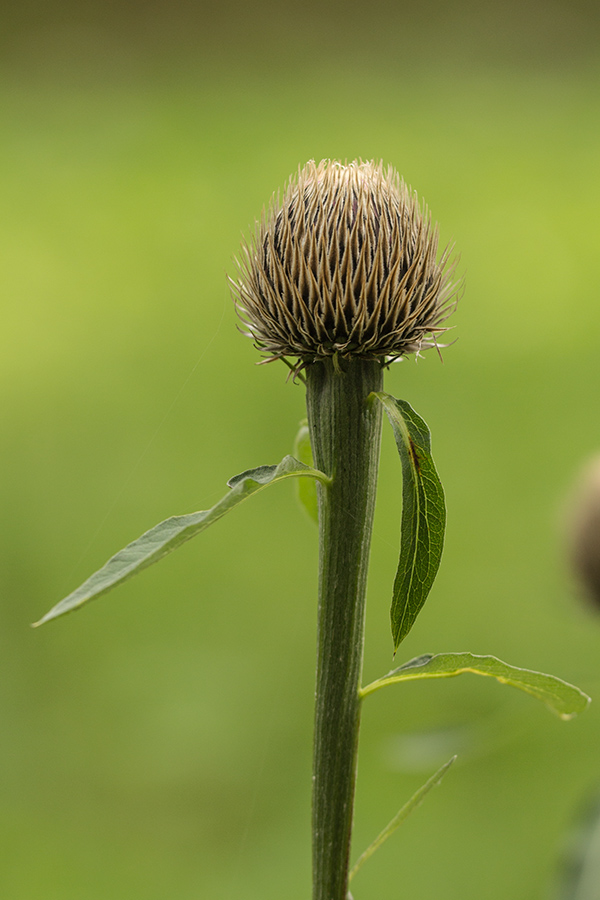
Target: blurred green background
{"x":157,"y":744}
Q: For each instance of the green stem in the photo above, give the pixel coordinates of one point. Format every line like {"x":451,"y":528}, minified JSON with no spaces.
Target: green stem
{"x":345,"y":430}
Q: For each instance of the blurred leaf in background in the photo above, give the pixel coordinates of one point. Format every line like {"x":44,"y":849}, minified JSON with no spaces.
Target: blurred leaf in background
{"x":145,"y":753}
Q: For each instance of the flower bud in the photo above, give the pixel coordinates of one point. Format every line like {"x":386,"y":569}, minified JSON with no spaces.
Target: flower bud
{"x":345,"y":265}
{"x":584,"y":532}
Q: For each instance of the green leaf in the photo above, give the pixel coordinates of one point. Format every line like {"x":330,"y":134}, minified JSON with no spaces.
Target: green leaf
{"x":415,"y":801}
{"x":562,"y":698}
{"x":174,"y":532}
{"x":306,"y":487}
{"x":423,"y":516}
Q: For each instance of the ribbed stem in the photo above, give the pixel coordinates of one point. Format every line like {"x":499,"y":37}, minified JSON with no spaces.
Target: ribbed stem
{"x":345,"y":430}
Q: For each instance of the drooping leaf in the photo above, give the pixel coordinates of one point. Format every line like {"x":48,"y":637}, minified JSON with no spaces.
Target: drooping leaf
{"x":563,"y":698}
{"x":414,"y":802}
{"x":173,"y":532}
{"x":306,"y":487}
{"x":423,"y":516}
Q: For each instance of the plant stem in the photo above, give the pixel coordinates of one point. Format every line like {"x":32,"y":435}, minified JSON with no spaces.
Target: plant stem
{"x":345,"y":430}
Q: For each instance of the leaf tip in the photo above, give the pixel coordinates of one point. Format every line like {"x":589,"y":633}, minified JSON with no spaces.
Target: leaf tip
{"x":42,"y":621}
{"x":53,"y":613}
{"x":571,"y":714}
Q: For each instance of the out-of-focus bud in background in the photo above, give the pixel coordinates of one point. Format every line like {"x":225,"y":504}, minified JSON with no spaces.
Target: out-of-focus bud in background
{"x":584,"y":531}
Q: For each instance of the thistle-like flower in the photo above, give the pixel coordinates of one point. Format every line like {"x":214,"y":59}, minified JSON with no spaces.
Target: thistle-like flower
{"x":344,"y":266}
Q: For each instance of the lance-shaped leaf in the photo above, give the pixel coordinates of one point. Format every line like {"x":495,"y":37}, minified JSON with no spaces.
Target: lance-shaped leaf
{"x":423,"y":516}
{"x":306,"y":487}
{"x":563,"y":698}
{"x":174,"y":532}
{"x":414,"y":802}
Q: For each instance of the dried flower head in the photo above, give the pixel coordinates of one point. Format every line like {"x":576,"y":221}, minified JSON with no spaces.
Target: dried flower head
{"x":345,"y":265}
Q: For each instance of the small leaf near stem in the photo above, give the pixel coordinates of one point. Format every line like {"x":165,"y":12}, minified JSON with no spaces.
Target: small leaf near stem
{"x":172,"y":533}
{"x":562,"y":698}
{"x":423,"y":516}
{"x":306,"y":487}
{"x":414,"y":802}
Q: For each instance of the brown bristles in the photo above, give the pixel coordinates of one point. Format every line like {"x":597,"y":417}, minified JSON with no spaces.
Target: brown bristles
{"x":345,"y":265}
